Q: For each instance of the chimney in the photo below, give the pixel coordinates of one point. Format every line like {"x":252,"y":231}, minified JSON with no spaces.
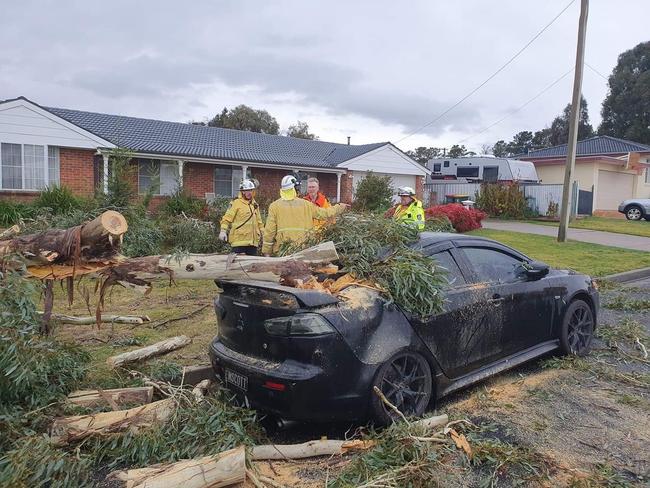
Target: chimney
{"x":348,"y":140}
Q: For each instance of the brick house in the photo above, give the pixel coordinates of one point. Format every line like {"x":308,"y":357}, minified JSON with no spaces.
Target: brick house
{"x":608,"y":170}
{"x":41,"y":146}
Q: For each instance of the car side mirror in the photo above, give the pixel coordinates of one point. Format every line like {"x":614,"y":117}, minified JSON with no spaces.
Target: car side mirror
{"x":535,"y":270}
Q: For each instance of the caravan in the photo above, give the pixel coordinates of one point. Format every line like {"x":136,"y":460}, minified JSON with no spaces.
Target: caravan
{"x":482,"y":168}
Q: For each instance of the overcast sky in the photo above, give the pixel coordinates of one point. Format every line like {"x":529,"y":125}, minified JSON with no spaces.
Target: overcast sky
{"x":372,"y":70}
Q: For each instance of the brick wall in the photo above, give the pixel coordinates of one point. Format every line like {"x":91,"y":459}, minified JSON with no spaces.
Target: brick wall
{"x":198,"y":178}
{"x":419,"y":187}
{"x":346,"y":187}
{"x":77,"y":170}
{"x":18,"y":196}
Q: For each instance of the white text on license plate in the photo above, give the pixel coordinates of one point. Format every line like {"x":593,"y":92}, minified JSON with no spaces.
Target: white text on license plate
{"x":236,"y":379}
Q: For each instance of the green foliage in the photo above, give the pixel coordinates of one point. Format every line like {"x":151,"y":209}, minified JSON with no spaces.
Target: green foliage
{"x":13,"y":212}
{"x":59,"y":199}
{"x":626,"y":109}
{"x":195,"y":430}
{"x":183,"y":202}
{"x":423,"y":154}
{"x":622,"y":302}
{"x":439,"y":224}
{"x":243,"y":117}
{"x":194,"y":236}
{"x":457,"y":151}
{"x":378,"y":249}
{"x":34,"y":462}
{"x":120,"y":188}
{"x":373,"y":193}
{"x":504,"y":201}
{"x":559,"y":130}
{"x":301,"y":131}
{"x":144,"y":238}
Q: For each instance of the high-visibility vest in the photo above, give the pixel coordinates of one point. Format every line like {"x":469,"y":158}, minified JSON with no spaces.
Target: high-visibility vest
{"x":413,"y":214}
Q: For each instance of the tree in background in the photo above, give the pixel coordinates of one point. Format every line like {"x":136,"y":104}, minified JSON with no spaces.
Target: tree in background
{"x":373,"y":193}
{"x":522,"y":142}
{"x":626,"y":109}
{"x":423,"y":154}
{"x":243,"y":117}
{"x":559,"y":130}
{"x":500,"y":149}
{"x":457,"y":151}
{"x":301,"y":131}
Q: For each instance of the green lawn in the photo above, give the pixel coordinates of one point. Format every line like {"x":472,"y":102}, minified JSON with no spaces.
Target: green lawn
{"x":618,"y":226}
{"x":593,"y":259}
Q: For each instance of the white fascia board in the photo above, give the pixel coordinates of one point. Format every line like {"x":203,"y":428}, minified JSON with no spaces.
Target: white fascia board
{"x":230,"y":162}
{"x":424,"y":171}
{"x":21,"y":102}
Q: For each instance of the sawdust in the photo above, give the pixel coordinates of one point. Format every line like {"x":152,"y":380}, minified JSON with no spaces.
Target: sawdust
{"x":308,"y":473}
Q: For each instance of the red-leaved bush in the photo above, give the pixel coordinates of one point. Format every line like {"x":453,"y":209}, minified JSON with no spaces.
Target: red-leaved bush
{"x":462,"y":218}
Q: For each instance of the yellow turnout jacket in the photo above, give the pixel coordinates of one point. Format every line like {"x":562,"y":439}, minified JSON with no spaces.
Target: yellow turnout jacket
{"x":243,"y":222}
{"x":413,"y":214}
{"x":290,"y":220}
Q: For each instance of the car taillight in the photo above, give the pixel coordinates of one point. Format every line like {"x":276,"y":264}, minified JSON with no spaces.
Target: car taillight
{"x":301,"y":324}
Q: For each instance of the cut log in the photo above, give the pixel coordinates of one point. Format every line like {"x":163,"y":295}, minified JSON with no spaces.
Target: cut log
{"x":70,"y":429}
{"x":223,"y":469}
{"x":97,"y":240}
{"x":121,"y":396}
{"x":307,"y":449}
{"x":88,"y":320}
{"x":156,"y":349}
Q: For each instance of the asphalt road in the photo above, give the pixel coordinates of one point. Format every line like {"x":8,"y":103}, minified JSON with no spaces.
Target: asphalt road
{"x":637,"y":243}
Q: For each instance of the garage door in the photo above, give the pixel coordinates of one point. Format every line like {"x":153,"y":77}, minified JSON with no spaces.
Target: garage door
{"x":397,"y":180}
{"x":613,"y":188}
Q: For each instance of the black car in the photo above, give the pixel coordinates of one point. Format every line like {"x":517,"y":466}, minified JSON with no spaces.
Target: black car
{"x":307,"y":355}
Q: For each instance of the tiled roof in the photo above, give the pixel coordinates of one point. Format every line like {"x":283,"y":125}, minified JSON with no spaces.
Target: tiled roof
{"x":187,"y":140}
{"x":598,"y":145}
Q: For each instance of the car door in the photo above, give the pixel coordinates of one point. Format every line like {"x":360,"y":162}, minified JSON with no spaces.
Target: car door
{"x":520,"y":307}
{"x":458,"y":336}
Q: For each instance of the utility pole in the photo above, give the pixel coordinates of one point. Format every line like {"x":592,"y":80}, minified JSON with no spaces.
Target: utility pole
{"x":565,"y":212}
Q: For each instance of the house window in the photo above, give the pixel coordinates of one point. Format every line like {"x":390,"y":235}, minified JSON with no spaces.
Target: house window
{"x":26,"y":166}
{"x":446,"y":164}
{"x":159,"y":177}
{"x":436,"y":167}
{"x":227,"y":180}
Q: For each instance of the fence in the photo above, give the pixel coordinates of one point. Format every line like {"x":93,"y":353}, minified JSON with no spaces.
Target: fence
{"x":539,"y":196}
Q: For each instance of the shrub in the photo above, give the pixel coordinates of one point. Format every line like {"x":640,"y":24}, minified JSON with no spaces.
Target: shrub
{"x":120,"y":188}
{"x":182,"y":202}
{"x":192,"y":235}
{"x":505,"y":201}
{"x":439,"y":223}
{"x":144,"y":237}
{"x":462,"y":218}
{"x":59,"y":199}
{"x":13,"y":212}
{"x":373,"y":193}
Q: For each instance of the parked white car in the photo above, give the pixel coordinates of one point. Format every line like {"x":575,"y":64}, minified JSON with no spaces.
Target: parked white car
{"x":635,"y":209}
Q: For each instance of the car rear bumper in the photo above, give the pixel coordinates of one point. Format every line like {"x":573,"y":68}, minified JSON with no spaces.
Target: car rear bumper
{"x":297,"y":391}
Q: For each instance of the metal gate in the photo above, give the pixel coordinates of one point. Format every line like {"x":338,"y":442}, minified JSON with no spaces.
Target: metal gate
{"x":585,"y":202}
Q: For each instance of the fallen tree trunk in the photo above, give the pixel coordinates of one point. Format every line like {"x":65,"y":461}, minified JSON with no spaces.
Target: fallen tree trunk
{"x":323,"y":447}
{"x":223,"y":469}
{"x":70,"y":429}
{"x":97,"y":240}
{"x":121,"y":396}
{"x":88,"y":320}
{"x":156,"y":349}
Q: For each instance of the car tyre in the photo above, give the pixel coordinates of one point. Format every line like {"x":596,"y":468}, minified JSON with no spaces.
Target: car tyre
{"x":633,"y":212}
{"x":577,"y":331}
{"x":406,"y":381}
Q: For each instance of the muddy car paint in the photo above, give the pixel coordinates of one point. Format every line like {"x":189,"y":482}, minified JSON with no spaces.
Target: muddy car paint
{"x":328,"y":377}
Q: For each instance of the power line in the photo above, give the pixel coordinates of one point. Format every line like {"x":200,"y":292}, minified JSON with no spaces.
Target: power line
{"x":520,"y":107}
{"x":596,"y":71}
{"x":515,"y":56}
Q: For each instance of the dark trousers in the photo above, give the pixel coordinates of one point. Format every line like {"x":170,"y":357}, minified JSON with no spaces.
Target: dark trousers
{"x":248,"y":250}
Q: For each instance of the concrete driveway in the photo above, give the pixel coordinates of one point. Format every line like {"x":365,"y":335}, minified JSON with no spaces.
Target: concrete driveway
{"x":636,"y":243}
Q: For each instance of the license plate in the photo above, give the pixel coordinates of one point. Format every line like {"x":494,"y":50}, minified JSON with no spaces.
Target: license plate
{"x":236,"y":379}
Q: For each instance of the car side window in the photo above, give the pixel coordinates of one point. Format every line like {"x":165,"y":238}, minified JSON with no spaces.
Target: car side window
{"x":451,"y":269}
{"x":492,"y":265}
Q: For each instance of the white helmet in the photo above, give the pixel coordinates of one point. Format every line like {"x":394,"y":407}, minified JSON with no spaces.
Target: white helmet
{"x":406,"y":191}
{"x":246,"y":185}
{"x":289,"y":182}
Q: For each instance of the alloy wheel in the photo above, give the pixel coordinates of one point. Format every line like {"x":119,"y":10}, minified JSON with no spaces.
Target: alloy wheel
{"x":406,"y":384}
{"x":580,"y":329}
{"x":634,"y":213}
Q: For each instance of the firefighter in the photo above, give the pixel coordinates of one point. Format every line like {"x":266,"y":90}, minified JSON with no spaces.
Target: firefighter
{"x":242,"y":224}
{"x":409,"y":210}
{"x":290,"y":218}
